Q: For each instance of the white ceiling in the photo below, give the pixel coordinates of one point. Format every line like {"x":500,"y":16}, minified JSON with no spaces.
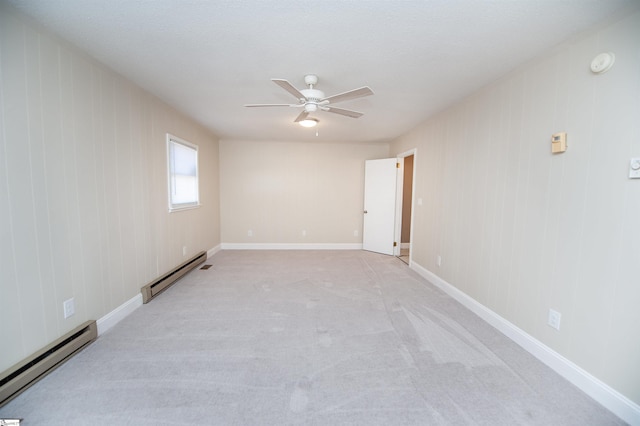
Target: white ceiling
{"x":209,"y":58}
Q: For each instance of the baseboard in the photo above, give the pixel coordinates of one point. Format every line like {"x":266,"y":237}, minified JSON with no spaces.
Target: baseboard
{"x":214,"y":250}
{"x":269,"y":246}
{"x":405,"y":245}
{"x":118,"y":314}
{"x":614,"y":401}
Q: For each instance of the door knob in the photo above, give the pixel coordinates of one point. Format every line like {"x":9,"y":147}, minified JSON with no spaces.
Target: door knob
{"x":365,"y":212}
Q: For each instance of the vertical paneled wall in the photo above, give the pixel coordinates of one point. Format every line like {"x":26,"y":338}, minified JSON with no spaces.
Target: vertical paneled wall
{"x":521,"y":230}
{"x":83,"y":189}
{"x":277,"y":190}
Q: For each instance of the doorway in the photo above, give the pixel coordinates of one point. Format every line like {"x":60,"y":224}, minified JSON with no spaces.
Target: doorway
{"x":404,"y":203}
{"x":388,"y":205}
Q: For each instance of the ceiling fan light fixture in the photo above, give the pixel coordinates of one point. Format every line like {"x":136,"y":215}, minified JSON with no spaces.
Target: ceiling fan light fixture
{"x":309,"y":122}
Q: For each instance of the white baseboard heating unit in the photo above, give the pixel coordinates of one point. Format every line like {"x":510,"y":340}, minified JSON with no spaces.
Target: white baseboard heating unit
{"x":160,"y":284}
{"x":27,"y":372}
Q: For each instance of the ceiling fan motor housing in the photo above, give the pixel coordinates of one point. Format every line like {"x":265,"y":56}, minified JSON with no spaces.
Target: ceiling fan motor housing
{"x":313,"y":99}
{"x":313,"y":95}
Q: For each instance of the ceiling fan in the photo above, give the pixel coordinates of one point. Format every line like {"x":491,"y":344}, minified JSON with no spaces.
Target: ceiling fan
{"x":313,"y":100}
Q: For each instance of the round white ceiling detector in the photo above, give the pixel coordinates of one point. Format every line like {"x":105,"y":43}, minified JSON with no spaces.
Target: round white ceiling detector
{"x":603,"y":62}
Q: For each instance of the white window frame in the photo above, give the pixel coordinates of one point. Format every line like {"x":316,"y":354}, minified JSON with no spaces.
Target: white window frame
{"x":194,"y":200}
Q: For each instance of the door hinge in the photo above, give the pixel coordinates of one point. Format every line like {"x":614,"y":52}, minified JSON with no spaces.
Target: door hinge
{"x":395,"y":244}
{"x":397,"y":165}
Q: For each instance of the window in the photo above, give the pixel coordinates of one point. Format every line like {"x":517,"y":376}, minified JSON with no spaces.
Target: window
{"x":183,"y":174}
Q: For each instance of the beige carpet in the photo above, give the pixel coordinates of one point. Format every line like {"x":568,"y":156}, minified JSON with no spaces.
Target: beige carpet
{"x":404,"y":255}
{"x":304,"y":338}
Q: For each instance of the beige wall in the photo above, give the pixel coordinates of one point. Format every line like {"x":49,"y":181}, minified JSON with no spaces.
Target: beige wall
{"x":521,"y":230}
{"x":83,"y":209}
{"x":83,"y":193}
{"x":279,"y":189}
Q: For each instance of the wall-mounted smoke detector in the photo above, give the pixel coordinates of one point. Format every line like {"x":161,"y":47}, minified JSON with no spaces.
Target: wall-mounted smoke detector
{"x":603,"y":62}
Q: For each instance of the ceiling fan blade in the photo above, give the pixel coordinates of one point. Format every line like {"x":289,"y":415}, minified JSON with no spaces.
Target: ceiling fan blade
{"x":341,"y":111}
{"x":269,"y":105}
{"x":289,"y":88}
{"x":351,"y":94}
{"x":301,"y":117}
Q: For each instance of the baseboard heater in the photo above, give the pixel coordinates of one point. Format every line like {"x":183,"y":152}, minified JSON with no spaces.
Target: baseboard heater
{"x":160,"y":284}
{"x":27,"y":372}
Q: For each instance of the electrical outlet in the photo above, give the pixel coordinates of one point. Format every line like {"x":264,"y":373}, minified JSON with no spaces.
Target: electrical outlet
{"x":184,"y":251}
{"x":304,"y":233}
{"x":439,"y":260}
{"x":250,"y":233}
{"x":355,"y":233}
{"x":69,"y":308}
{"x":554,"y":319}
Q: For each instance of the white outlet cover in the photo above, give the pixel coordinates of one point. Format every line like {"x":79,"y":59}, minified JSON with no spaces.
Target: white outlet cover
{"x":554,"y":319}
{"x":68,"y":308}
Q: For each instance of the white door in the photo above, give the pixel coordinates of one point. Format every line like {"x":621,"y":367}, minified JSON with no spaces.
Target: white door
{"x":379,"y":205}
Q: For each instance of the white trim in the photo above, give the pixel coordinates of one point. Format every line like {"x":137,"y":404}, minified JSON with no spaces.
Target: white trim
{"x":613,"y":400}
{"x":285,"y":246}
{"x":178,"y":209}
{"x":118,"y":314}
{"x":400,"y":196}
{"x":405,"y":245}
{"x":214,"y":250}
{"x":408,"y":153}
{"x":397,"y":232}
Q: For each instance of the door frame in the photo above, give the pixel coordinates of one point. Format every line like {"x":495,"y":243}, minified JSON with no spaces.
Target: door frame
{"x":400,"y":185}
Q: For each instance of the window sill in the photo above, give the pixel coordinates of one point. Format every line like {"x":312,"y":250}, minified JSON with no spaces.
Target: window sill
{"x":179,"y":209}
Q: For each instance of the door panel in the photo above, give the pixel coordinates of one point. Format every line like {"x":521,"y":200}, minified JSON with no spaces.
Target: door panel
{"x":379,"y":205}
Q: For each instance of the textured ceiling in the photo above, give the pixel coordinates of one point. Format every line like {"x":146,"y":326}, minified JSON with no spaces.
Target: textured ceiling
{"x":209,"y":58}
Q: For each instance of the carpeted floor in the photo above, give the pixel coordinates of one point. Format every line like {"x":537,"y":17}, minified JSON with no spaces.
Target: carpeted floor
{"x":404,"y":256}
{"x":304,"y":338}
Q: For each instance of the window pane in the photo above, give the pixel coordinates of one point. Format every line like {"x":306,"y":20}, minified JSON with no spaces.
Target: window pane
{"x":184,"y":160}
{"x":185,"y":189}
{"x":183,"y":174}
